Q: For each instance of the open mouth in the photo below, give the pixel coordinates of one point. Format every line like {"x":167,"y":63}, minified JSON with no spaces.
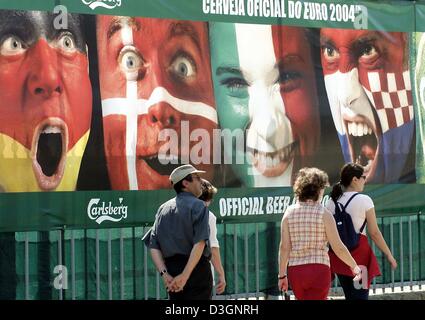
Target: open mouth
{"x":363,"y":142}
{"x":163,"y":164}
{"x":48,"y":150}
{"x":273,"y":164}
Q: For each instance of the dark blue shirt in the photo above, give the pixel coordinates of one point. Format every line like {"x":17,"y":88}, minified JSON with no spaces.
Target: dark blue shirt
{"x":180,"y":223}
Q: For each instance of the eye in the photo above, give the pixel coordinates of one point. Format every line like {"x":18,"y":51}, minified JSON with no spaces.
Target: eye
{"x":66,"y":43}
{"x":129,"y":59}
{"x":234,"y":83}
{"x":286,"y":76}
{"x":11,"y":46}
{"x":330,"y":53}
{"x":289,"y":80}
{"x":368,"y":51}
{"x":183,"y":67}
{"x":236,"y":87}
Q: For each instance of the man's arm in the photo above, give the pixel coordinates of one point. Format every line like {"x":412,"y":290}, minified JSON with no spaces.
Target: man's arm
{"x":158,"y":260}
{"x":180,"y":281}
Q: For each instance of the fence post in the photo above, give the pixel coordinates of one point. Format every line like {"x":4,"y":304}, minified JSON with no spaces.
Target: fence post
{"x":420,"y":249}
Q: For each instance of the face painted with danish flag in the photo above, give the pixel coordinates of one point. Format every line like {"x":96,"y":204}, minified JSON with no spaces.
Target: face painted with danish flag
{"x":45,"y":101}
{"x":155,"y":77}
{"x":264,"y":85}
{"x":368,"y":85}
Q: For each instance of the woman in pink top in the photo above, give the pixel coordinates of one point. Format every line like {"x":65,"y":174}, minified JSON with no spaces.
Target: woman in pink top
{"x":306,"y":229}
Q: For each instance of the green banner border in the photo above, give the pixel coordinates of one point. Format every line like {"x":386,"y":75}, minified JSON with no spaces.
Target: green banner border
{"x":382,"y":15}
{"x":68,"y":210}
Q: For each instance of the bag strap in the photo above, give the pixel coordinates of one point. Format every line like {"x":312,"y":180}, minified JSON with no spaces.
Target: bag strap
{"x":363,"y":226}
{"x":349,"y":200}
{"x":345,"y":207}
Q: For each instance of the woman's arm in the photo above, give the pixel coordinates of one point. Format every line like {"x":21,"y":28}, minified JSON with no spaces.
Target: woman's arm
{"x":377,"y":238}
{"x":284,"y":249}
{"x":218,"y":267}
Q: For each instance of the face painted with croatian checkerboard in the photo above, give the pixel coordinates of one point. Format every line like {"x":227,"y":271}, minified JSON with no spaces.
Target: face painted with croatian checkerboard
{"x":155,"y":79}
{"x":368,"y":86}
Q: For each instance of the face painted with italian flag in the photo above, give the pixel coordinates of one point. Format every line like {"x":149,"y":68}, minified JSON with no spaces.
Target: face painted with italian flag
{"x":155,"y":77}
{"x":45,"y":102}
{"x":368,"y":85}
{"x":264,"y":85}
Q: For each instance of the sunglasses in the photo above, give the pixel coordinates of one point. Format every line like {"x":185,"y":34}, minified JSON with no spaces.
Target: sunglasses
{"x":196,"y":177}
{"x":363,"y":176}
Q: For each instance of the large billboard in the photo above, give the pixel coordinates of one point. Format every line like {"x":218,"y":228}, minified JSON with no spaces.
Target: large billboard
{"x":101,"y":100}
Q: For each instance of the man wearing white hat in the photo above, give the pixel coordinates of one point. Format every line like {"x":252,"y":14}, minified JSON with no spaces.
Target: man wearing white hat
{"x":178,"y":240}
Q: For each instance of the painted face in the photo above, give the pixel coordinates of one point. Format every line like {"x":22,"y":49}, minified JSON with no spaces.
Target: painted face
{"x":368,"y":85}
{"x":155,"y":78}
{"x":45,"y":101}
{"x":264,"y":86}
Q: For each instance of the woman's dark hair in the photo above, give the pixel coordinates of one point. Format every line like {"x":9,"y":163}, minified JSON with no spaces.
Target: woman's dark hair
{"x":309,"y":182}
{"x":208,"y":191}
{"x":348,"y":172}
{"x":178,"y":187}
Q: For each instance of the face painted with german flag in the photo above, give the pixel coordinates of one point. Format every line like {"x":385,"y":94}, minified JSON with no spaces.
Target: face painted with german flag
{"x":368,"y":86}
{"x":155,"y":78}
{"x":45,"y":101}
{"x":264,"y":85}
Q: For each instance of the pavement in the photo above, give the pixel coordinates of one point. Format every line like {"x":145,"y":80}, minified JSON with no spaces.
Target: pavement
{"x":395,"y":292}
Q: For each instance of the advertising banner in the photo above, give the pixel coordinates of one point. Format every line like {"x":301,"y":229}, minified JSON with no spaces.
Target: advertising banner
{"x":101,"y":100}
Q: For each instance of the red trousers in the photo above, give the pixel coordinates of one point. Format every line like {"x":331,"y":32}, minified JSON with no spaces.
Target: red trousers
{"x":310,"y":281}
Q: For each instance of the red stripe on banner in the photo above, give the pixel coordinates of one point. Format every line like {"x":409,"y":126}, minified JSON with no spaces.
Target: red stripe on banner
{"x":284,"y":43}
{"x":395,"y":101}
{"x":293,"y":54}
{"x":406,"y":115}
{"x":377,"y":100}
{"x":115,"y":150}
{"x":383,"y":78}
{"x":364,"y":79}
{"x":391,"y":118}
{"x":409,"y":97}
{"x":399,"y":80}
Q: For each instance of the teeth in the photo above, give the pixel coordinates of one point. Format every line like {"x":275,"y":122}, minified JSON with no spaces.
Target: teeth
{"x":262,"y":158}
{"x":350,"y":128}
{"x":365,"y":129}
{"x":358,"y":129}
{"x":270,"y":160}
{"x":51,"y":129}
{"x":167,"y":157}
{"x":368,"y":166}
{"x":355,"y":131}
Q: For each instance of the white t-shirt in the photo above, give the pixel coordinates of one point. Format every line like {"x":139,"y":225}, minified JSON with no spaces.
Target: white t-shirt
{"x":212,"y":221}
{"x":356,"y":208}
{"x":213,"y":230}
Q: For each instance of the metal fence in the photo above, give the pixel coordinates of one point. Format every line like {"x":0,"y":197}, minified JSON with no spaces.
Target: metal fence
{"x":114,"y":264}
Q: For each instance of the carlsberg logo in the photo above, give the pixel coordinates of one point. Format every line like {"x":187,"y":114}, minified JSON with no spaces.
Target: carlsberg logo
{"x":108,"y":4}
{"x":101,"y":211}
